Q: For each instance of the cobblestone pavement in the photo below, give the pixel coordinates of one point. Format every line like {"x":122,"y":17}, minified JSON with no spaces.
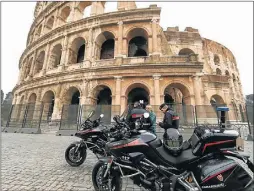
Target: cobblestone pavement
{"x":36,"y":162}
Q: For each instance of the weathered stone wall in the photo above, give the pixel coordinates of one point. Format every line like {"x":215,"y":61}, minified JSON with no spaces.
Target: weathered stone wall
{"x":200,"y":69}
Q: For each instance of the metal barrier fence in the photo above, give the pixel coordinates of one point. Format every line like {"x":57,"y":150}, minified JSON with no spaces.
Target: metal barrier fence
{"x":32,"y":116}
{"x":73,"y":115}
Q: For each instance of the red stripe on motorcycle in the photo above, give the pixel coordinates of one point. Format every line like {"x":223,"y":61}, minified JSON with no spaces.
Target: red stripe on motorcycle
{"x":215,"y":143}
{"x":210,"y":177}
{"x":133,"y":143}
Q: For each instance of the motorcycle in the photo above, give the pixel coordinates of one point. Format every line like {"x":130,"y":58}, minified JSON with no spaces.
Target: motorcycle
{"x":93,"y":137}
{"x":201,"y":163}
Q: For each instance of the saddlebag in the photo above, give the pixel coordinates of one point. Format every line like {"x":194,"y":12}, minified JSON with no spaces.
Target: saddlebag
{"x":205,"y":140}
{"x":221,"y":174}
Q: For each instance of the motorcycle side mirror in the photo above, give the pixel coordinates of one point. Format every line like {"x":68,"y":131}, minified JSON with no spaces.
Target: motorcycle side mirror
{"x":101,"y":115}
{"x":146,"y":115}
{"x":90,"y":114}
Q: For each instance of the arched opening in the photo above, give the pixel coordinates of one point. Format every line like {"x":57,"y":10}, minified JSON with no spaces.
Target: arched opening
{"x":107,"y":49}
{"x":103,"y":95}
{"x":39,"y":62}
{"x":65,"y":14}
{"x":84,"y":8}
{"x":178,"y":97}
{"x":217,"y":100}
{"x":226,"y":73}
{"x":72,"y":96}
{"x":105,"y":46}
{"x":137,"y":92}
{"x":185,"y":52}
{"x":55,"y":57}
{"x":77,"y":50}
{"x":75,"y":98}
{"x":137,"y":43}
{"x":218,"y":71}
{"x":49,"y":24}
{"x":216,"y":59}
{"x":48,"y":103}
{"x":32,"y":98}
{"x":38,"y":33}
{"x":31,"y":107}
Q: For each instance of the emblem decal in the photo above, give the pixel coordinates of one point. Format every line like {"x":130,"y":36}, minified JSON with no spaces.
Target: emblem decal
{"x":220,"y":177}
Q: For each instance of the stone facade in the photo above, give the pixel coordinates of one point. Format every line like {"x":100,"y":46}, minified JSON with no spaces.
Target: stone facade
{"x":118,"y":52}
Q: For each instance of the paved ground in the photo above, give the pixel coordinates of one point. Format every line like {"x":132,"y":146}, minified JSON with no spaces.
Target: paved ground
{"x":36,"y":162}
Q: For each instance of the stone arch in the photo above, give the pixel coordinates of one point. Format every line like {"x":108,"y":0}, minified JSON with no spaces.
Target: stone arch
{"x":84,"y":8}
{"x":32,"y":98}
{"x":28,"y":68}
{"x":22,"y":99}
{"x":137,"y":91}
{"x":179,"y":92}
{"x":39,"y":31}
{"x":137,"y":40}
{"x":216,"y":59}
{"x":77,"y":50}
{"x":218,"y":71}
{"x":48,"y":100}
{"x":186,"y":52}
{"x":216,"y":100}
{"x":65,"y":14}
{"x":226,"y":73}
{"x":71,"y":96}
{"x":49,"y":24}
{"x":102,"y":94}
{"x":105,"y":45}
{"x":39,"y":62}
{"x":55,"y":56}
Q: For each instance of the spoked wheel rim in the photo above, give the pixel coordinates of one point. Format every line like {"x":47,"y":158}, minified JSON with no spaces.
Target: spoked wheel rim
{"x":75,"y":156}
{"x":103,"y":184}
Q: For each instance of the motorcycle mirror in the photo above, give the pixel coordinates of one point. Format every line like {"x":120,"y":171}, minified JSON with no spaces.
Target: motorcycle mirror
{"x":146,"y":115}
{"x":101,"y":115}
{"x":91,"y":114}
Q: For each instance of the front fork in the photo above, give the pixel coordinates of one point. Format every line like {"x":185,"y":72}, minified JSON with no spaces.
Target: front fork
{"x":79,"y":144}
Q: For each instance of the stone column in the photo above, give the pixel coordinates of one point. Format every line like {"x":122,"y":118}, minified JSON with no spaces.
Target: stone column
{"x":118,"y":80}
{"x":57,"y":110}
{"x":120,"y":37}
{"x":154,"y":34}
{"x":150,"y":45}
{"x":46,"y":59}
{"x":64,"y":57}
{"x":123,"y":103}
{"x":125,"y":47}
{"x":55,"y":24}
{"x":126,"y":5}
{"x":84,"y":90}
{"x":33,"y":64}
{"x":197,"y":89}
{"x":156,"y":81}
{"x":97,"y":8}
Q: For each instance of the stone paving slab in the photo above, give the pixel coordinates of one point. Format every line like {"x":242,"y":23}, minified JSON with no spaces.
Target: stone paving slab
{"x":36,"y":162}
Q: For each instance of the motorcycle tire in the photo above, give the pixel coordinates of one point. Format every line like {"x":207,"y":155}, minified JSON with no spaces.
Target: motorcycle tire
{"x":116,"y":182}
{"x":72,"y":162}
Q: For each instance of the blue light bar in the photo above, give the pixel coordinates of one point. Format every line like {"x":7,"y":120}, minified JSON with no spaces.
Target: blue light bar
{"x":222,"y":109}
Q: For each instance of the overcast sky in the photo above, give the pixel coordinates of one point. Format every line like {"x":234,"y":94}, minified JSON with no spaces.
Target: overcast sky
{"x":229,"y":23}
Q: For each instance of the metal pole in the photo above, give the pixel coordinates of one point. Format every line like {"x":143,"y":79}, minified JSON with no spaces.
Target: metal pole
{"x":61,"y":118}
{"x":196,"y":116}
{"x":42,"y":107}
{"x":248,"y":119}
{"x":9,"y":117}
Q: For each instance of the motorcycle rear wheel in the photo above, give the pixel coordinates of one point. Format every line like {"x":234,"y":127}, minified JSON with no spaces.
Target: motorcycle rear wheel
{"x":75,"y":159}
{"x":99,"y":185}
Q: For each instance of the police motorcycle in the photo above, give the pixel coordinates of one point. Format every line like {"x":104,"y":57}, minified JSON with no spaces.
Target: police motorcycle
{"x":94,"y":136}
{"x":201,"y":163}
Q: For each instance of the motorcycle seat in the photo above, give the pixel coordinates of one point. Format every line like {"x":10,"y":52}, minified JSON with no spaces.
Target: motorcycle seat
{"x":181,"y":160}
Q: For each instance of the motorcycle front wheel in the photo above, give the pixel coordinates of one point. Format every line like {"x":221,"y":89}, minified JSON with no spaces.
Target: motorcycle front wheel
{"x":73,"y":158}
{"x":103,"y":184}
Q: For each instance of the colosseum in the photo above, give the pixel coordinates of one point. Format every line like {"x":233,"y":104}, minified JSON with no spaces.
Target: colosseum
{"x":116,"y":58}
